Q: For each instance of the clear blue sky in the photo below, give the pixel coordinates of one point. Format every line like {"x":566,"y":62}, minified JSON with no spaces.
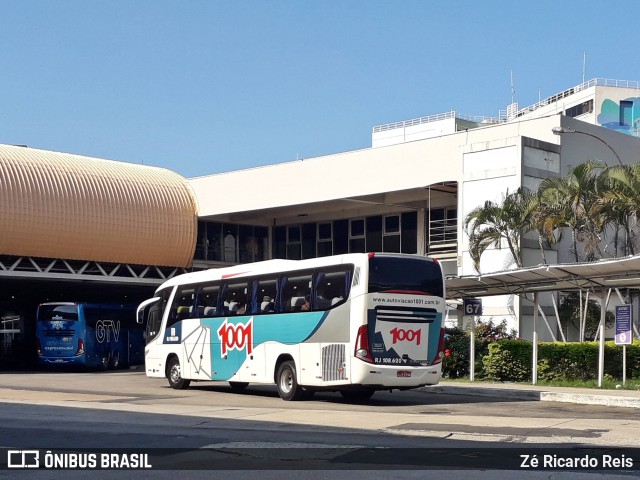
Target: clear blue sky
{"x":203,"y":87}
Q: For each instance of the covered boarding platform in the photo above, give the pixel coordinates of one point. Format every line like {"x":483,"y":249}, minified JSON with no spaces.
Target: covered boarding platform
{"x":602,"y":278}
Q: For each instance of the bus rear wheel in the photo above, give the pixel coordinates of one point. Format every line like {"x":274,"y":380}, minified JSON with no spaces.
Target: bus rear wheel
{"x":174,"y":375}
{"x":287,"y":383}
{"x":115,"y":360}
{"x":104,"y":361}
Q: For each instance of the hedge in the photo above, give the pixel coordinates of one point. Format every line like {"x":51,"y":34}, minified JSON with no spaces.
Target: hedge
{"x":510,"y":360}
{"x":455,"y":363}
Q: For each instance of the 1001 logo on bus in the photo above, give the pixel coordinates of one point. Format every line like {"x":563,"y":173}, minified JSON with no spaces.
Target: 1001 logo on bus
{"x":400,"y":335}
{"x":236,"y":337}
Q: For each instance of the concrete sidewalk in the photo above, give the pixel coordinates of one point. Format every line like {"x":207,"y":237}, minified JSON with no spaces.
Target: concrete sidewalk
{"x":515,"y":391}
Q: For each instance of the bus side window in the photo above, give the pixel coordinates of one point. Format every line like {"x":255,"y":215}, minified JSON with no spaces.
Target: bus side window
{"x":182,"y":305}
{"x":265,"y":292}
{"x":296,"y":293}
{"x":234,"y":298}
{"x":207,"y":301}
{"x":331,"y":288}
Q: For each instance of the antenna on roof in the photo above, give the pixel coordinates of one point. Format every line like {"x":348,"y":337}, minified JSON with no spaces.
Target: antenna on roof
{"x":584,"y":66}
{"x":513,"y":90}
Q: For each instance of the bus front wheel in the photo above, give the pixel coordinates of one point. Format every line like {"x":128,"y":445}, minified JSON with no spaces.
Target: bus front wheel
{"x":174,"y":375}
{"x":287,"y":383}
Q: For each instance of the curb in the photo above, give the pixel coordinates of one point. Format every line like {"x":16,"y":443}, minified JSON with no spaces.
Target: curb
{"x":538,"y":395}
{"x":587,"y":399}
{"x":505,"y":393}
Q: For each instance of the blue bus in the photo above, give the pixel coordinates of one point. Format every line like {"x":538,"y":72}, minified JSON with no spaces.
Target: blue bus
{"x":89,"y":335}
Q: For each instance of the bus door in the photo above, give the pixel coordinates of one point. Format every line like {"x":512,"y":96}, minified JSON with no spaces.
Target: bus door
{"x":149,"y":313}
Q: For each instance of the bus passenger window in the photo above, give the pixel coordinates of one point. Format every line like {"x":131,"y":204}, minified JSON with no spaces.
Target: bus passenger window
{"x":265,"y":291}
{"x":207,"y":301}
{"x":266,"y":306}
{"x":296,"y":293}
{"x":234,"y":298}
{"x":331,"y":288}
{"x":182,"y":305}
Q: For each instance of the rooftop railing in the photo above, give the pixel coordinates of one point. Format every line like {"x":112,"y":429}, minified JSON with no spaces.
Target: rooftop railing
{"x":503,"y":117}
{"x":600,"y":82}
{"x":433,"y":118}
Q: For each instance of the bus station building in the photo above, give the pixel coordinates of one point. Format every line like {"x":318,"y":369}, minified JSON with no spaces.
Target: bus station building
{"x":76,"y":226}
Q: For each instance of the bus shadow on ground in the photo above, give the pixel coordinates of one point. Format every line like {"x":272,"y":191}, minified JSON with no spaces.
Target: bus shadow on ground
{"x":381,"y":398}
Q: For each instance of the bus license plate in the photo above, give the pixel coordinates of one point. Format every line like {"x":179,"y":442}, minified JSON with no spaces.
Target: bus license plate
{"x":404,"y":373}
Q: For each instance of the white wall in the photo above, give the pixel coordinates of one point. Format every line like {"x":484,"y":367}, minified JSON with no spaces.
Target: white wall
{"x":344,"y":175}
{"x":362,"y":172}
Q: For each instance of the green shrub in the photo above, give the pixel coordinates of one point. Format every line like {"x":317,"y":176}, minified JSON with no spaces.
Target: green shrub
{"x":510,"y":361}
{"x":455,"y":363}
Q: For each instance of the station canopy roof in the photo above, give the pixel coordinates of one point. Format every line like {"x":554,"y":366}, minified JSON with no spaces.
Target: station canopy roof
{"x":595,"y":276}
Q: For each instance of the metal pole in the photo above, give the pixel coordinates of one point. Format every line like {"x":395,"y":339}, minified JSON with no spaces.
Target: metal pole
{"x":472,"y":350}
{"x":601,"y":332}
{"x":624,"y":365}
{"x":534,"y":365}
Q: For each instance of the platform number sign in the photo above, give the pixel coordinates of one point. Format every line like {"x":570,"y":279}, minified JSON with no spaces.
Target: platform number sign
{"x":472,"y":306}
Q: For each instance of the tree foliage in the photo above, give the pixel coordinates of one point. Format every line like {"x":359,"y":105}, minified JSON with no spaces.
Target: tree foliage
{"x":493,"y":224}
{"x":597,"y":205}
{"x":570,"y":311}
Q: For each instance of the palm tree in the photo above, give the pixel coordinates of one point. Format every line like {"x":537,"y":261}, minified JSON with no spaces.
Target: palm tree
{"x":573,"y":202}
{"x":622,"y":203}
{"x":492,"y":223}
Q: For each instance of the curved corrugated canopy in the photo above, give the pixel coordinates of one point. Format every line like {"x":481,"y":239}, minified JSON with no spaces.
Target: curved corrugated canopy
{"x":58,"y":205}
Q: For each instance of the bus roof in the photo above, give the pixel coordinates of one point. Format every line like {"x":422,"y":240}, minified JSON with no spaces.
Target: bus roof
{"x":268,"y":266}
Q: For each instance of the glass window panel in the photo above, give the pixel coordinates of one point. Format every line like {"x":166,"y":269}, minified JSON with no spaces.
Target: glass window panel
{"x":357,"y":245}
{"x":391,"y":243}
{"x":324,"y":231}
{"x":293,"y":234}
{"x":392,"y":224}
{"x":357,"y":227}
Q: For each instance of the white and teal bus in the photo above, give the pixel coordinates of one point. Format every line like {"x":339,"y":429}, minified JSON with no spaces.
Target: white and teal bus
{"x":353,"y":323}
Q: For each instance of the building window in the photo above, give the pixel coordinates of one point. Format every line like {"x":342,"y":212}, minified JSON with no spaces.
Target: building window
{"x":391,"y":234}
{"x":324,"y":239}
{"x":626,"y":113}
{"x":442,"y":227}
{"x":357,"y":239}
{"x":231,"y":242}
{"x":294,"y":242}
{"x":581,"y":109}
